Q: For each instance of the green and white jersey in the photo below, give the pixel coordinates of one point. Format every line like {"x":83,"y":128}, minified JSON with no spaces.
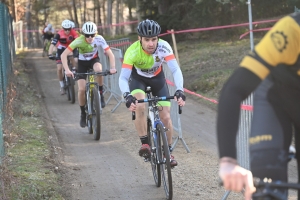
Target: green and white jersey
{"x":88,"y":51}
{"x":147,"y":65}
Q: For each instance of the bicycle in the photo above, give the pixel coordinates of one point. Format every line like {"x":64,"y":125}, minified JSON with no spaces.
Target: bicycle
{"x":268,"y":190}
{"x":158,"y":143}
{"x":93,"y":107}
{"x":69,"y":83}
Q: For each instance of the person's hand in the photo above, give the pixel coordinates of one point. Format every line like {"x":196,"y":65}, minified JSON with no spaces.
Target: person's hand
{"x":51,"y":57}
{"x":236,"y":178}
{"x":113,"y":71}
{"x":180,"y":97}
{"x":130,"y":101}
{"x":69,"y":73}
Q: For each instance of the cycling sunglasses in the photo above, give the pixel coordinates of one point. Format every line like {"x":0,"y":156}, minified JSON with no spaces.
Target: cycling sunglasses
{"x":67,"y":29}
{"x":89,"y":35}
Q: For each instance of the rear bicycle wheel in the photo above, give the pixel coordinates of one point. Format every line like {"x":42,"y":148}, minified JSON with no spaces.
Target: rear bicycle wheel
{"x":154,"y":156}
{"x":96,"y":114}
{"x":165,"y":165}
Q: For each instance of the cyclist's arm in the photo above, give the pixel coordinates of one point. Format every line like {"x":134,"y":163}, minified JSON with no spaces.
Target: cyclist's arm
{"x":53,"y":43}
{"x":238,"y":87}
{"x":177,"y":73}
{"x":64,"y":59}
{"x":124,"y":78}
{"x":111,"y":56}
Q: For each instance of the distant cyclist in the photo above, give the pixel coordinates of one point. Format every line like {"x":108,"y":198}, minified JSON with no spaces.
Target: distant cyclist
{"x":88,"y":45}
{"x":48,"y":33}
{"x":62,"y":40}
{"x":272,"y":72}
{"x":142,"y":67}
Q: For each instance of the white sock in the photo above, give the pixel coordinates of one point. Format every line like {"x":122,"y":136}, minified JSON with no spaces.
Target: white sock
{"x":61,"y":83}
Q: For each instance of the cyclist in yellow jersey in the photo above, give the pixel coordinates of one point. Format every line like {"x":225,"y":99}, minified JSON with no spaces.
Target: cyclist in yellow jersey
{"x":142,"y":67}
{"x":272,"y":72}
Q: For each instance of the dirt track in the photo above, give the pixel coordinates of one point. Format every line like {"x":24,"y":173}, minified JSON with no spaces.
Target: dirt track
{"x":111,"y":168}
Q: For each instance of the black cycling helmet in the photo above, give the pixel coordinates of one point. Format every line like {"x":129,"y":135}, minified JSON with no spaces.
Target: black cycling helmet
{"x":148,"y":28}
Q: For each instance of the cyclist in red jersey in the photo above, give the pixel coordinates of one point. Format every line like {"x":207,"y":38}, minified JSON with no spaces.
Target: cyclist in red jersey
{"x":62,"y":40}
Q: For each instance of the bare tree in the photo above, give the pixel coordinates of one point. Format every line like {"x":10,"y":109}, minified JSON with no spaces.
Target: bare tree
{"x":117,"y":17}
{"x":109,"y":15}
{"x":84,"y":11}
{"x":75,"y":12}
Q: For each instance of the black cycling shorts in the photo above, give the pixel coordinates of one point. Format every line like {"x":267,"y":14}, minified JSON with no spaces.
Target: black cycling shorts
{"x":85,"y":65}
{"x":48,"y":36}
{"x":157,"y":83}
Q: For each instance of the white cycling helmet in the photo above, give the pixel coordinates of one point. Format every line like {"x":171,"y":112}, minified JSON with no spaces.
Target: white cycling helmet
{"x":89,"y":28}
{"x":49,"y":26}
{"x":66,"y":24}
{"x":73,"y":24}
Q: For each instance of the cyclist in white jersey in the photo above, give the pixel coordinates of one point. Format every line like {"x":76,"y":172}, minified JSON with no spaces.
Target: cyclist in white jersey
{"x":142,"y":67}
{"x":88,"y":45}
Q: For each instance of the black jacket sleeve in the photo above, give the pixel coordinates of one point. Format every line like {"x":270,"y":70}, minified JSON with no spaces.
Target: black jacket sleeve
{"x":238,"y":87}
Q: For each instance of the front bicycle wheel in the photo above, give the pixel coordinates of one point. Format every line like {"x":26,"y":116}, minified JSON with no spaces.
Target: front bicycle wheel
{"x":96,"y":114}
{"x":154,"y":156}
{"x":71,"y":90}
{"x":89,"y":101}
{"x":165,"y":166}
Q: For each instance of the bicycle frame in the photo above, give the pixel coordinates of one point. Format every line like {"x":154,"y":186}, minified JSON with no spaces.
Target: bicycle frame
{"x":160,"y":152}
{"x":93,"y":102}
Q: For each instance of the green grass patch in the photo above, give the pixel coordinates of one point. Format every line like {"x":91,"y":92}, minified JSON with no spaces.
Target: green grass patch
{"x":28,"y":170}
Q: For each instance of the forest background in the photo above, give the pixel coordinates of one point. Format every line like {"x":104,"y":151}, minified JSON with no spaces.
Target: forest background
{"x":170,"y":14}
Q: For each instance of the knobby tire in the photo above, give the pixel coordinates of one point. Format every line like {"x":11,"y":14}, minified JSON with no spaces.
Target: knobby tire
{"x":154,"y":155}
{"x":89,"y":101}
{"x":96,"y":114}
{"x":166,"y":165}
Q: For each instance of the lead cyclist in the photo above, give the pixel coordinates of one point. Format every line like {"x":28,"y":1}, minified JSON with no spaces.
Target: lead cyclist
{"x":142,"y":67}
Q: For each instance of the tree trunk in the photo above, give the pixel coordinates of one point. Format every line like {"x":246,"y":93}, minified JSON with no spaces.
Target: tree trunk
{"x":99,"y":16}
{"x":75,"y":13}
{"x":117,"y":17}
{"x":109,"y":16}
{"x":84,"y":11}
{"x":138,"y":15}
{"x":122,"y":15}
{"x":163,"y":7}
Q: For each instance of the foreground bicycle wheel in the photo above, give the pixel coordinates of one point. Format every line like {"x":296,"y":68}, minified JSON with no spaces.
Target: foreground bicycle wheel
{"x":154,"y":156}
{"x":165,"y":165}
{"x":96,"y":114}
{"x":89,"y":101}
{"x":71,"y":90}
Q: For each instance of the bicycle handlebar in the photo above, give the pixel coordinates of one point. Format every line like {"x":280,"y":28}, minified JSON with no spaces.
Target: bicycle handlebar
{"x":267,"y":187}
{"x":104,"y":73}
{"x":156,"y":99}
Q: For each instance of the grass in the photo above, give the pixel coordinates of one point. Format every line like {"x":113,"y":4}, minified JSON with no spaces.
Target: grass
{"x":29,"y":169}
{"x":206,"y":65}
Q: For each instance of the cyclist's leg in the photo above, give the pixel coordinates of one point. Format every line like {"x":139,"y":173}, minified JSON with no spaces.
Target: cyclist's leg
{"x":59,"y":71}
{"x":75,"y":56}
{"x":83,"y":67}
{"x":137,"y":87}
{"x":271,"y":134}
{"x":99,"y":79}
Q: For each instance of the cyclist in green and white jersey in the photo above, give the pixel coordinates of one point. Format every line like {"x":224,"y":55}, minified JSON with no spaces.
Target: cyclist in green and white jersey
{"x":142,"y":67}
{"x":88,"y":45}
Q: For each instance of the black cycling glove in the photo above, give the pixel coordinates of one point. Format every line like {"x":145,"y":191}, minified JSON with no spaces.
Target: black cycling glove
{"x":51,"y":57}
{"x":178,"y":94}
{"x":129,"y":99}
